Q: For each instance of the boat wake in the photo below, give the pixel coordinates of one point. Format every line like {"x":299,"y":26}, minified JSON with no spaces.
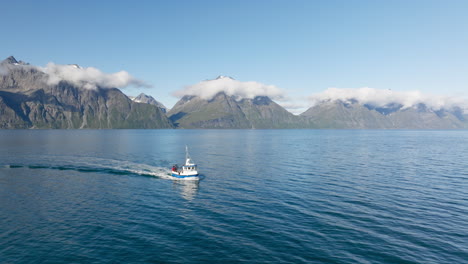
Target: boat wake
{"x":98,"y":165}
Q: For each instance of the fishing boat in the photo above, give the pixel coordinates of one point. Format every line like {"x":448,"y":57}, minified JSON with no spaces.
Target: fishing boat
{"x":188,"y":171}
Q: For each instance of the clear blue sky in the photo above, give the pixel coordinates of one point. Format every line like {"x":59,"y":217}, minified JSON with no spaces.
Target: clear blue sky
{"x":303,"y":47}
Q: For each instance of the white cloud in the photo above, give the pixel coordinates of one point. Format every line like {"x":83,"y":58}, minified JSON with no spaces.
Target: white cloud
{"x":380,"y":98}
{"x":89,"y":77}
{"x":296,"y":105}
{"x":208,"y":89}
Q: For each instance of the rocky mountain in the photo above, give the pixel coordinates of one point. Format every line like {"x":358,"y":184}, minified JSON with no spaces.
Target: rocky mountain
{"x":148,"y":99}
{"x":27,"y":100}
{"x":353,"y":115}
{"x":223,"y":111}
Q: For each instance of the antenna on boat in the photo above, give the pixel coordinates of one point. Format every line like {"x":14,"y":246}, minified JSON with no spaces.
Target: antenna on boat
{"x":188,"y":159}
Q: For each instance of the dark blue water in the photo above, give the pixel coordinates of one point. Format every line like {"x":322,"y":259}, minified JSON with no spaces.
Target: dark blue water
{"x":266,"y":196}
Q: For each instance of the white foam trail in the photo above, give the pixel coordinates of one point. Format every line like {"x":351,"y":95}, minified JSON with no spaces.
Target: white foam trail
{"x":110,"y":164}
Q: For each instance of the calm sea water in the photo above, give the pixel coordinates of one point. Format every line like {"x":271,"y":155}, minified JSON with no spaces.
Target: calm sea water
{"x":266,"y":196}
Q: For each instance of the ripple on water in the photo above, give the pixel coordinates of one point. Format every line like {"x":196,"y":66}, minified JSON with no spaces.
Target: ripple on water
{"x":299,"y":196}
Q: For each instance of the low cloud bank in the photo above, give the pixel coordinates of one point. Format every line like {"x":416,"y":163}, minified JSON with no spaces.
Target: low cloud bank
{"x":89,"y":77}
{"x":382,"y":98}
{"x":241,"y":90}
{"x":295,"y":105}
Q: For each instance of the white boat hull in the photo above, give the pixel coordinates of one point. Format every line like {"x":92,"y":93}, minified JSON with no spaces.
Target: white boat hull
{"x":185,"y":176}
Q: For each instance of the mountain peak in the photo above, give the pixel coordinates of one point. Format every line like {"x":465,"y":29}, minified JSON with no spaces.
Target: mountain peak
{"x":262,"y":100}
{"x":10,"y":60}
{"x":231,"y":111}
{"x":148,"y":99}
{"x":76,"y":66}
{"x":143,"y":95}
{"x":223,"y":77}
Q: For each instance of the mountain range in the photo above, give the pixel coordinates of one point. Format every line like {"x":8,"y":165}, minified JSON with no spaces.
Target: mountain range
{"x":352,"y":114}
{"x":29,"y":100}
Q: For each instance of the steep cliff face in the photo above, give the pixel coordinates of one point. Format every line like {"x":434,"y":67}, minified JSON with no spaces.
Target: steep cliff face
{"x":28,"y":101}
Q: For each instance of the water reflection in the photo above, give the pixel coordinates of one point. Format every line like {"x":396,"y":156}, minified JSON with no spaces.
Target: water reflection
{"x":188,"y":189}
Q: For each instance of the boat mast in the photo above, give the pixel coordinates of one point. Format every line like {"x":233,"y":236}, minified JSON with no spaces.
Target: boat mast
{"x":188,"y":160}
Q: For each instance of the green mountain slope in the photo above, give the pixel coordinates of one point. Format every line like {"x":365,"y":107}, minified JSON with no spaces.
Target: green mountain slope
{"x":224,"y":111}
